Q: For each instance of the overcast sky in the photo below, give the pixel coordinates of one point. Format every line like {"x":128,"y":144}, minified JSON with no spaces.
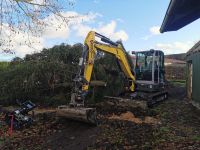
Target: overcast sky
{"x":135,"y":22}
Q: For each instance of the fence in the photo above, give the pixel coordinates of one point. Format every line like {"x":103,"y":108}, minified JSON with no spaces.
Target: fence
{"x":177,"y":72}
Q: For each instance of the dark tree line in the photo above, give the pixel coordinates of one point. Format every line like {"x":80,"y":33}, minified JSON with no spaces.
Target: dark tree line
{"x":46,"y":77}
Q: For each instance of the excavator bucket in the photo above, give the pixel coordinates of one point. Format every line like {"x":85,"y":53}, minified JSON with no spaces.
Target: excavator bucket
{"x":87,"y":115}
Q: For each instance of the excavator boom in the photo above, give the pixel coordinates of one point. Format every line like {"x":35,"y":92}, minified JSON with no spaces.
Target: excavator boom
{"x":116,"y":49}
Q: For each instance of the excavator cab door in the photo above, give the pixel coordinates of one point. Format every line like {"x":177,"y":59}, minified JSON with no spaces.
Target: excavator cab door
{"x":158,"y":68}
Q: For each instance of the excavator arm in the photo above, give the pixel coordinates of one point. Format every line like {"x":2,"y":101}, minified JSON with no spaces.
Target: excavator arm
{"x":91,"y":46}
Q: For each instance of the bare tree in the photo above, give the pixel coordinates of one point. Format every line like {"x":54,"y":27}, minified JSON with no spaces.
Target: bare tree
{"x":28,"y":17}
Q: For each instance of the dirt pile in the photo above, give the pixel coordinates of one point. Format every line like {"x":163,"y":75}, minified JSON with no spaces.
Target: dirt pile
{"x":151,"y":120}
{"x":129,"y":116}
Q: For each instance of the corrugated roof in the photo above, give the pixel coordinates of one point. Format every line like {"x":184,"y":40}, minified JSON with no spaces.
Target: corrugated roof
{"x":179,"y":14}
{"x":195,"y":48}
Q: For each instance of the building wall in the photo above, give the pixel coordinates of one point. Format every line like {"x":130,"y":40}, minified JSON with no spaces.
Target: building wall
{"x":195,"y":60}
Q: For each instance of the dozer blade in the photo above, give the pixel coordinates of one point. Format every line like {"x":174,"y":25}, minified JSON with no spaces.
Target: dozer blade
{"x":87,"y":115}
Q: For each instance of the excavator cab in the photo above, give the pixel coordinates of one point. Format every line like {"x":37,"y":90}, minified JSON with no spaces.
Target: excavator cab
{"x":149,"y":70}
{"x":150,"y":76}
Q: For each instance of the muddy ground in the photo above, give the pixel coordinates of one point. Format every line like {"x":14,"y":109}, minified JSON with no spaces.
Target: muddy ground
{"x":174,"y":124}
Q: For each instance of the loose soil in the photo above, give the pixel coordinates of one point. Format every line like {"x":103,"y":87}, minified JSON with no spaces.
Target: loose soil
{"x":173,"y":124}
{"x":129,"y":116}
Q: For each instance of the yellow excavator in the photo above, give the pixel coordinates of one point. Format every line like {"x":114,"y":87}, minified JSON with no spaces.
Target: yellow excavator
{"x":94,"y":42}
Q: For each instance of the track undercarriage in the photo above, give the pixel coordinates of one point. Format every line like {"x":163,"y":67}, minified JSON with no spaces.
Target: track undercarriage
{"x":151,"y":98}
